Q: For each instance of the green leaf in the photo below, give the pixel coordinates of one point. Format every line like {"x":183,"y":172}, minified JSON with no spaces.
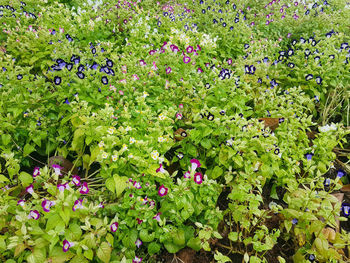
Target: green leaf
{"x":179,"y":237}
{"x":217,"y":171}
{"x":233,"y":236}
{"x":104,"y":252}
{"x":120,"y":184}
{"x":25,"y":178}
{"x":153,"y":248}
{"x":145,"y":237}
{"x":76,"y":230}
{"x":110,"y":184}
{"x":3,"y":178}
{"x":6,"y":138}
{"x":194,"y":243}
{"x":53,"y":221}
{"x":171,"y":247}
{"x":79,"y":259}
{"x":89,"y":254}
{"x":28,"y":149}
{"x":38,"y":256}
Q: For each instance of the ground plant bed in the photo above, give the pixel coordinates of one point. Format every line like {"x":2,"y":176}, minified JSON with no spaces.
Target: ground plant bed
{"x":174,"y":131}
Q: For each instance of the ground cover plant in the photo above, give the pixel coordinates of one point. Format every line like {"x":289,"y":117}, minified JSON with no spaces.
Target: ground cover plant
{"x":174,"y":131}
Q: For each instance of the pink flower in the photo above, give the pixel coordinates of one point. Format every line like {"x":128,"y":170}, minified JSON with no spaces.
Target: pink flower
{"x":179,"y":116}
{"x":101,"y":205}
{"x":162,"y":191}
{"x":114,"y":226}
{"x":34,"y":214}
{"x":142,"y":62}
{"x":186,"y":59}
{"x":152,"y":52}
{"x":139,"y":221}
{"x":198,"y":178}
{"x":199,"y":48}
{"x":36,"y":171}
{"x":181,"y":106}
{"x":138,"y":243}
{"x":76,"y":180}
{"x":195,"y":164}
{"x":157,"y":216}
{"x":30,"y":189}
{"x":174,"y":48}
{"x":160,"y":169}
{"x":121,"y":92}
{"x":135,"y":77}
{"x":137,"y":260}
{"x":187,"y":175}
{"x":154,"y":65}
{"x":229,"y":61}
{"x":168,"y":70}
{"x":84,"y":188}
{"x":199,"y":70}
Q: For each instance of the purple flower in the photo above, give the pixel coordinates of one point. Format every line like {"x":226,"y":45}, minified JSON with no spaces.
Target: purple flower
{"x":162,"y":191}
{"x":137,"y":185}
{"x":179,"y":116}
{"x":142,"y":62}
{"x":187,"y":175}
{"x":77,"y":204}
{"x":84,"y":188}
{"x":138,"y":243}
{"x":21,"y":202}
{"x":229,"y":61}
{"x":308,"y":156}
{"x":66,"y":245}
{"x":294,"y":221}
{"x":160,"y":169}
{"x":36,"y":171}
{"x":30,"y":189}
{"x":46,"y":205}
{"x":114,"y":226}
{"x":152,"y":52}
{"x":174,"y":48}
{"x":198,"y":178}
{"x":199,"y":48}
{"x":76,"y":180}
{"x":34,"y":214}
{"x":186,"y":59}
{"x":195,"y":164}
{"x":157,"y":216}
{"x":340,"y":173}
{"x":168,"y":70}
{"x":57,"y":169}
{"x":139,"y":221}
{"x":101,"y":205}
{"x":345,"y":208}
{"x":189,"y":49}
{"x":137,"y":260}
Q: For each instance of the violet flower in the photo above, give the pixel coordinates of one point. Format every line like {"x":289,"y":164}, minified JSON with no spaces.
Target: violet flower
{"x":186,"y":59}
{"x":36,"y":171}
{"x":57,"y":169}
{"x":345,"y":208}
{"x":160,"y":169}
{"x":114,"y":226}
{"x":162,"y":191}
{"x":198,"y":178}
{"x":157,"y":216}
{"x":46,"y":205}
{"x":66,"y":245}
{"x":30,"y":189}
{"x":138,"y":243}
{"x":76,"y":180}
{"x":340,"y":173}
{"x":84,"y":188}
{"x":137,"y":260}
{"x":34,"y":214}
{"x":77,"y":204}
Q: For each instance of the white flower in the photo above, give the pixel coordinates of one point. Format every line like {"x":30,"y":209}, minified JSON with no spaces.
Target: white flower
{"x":132,"y":140}
{"x":145,"y":94}
{"x":101,"y":144}
{"x":124,"y":148}
{"x":111,"y":130}
{"x":104,"y":155}
{"x":130,"y":156}
{"x":114,"y":157}
{"x":155,"y":155}
{"x":161,"y":139}
{"x":128,"y":128}
{"x":161,"y":117}
{"x":327,"y":128}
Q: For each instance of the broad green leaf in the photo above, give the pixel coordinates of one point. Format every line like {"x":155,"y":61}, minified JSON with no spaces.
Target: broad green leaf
{"x":28,"y":149}
{"x":120,"y":184}
{"x":26,"y":179}
{"x":153,"y":248}
{"x":104,"y":252}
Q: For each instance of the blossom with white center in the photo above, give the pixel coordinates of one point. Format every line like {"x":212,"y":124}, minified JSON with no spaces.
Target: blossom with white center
{"x":114,"y":158}
{"x":161,"y":139}
{"x":145,"y":94}
{"x":161,"y":117}
{"x":104,"y":155}
{"x":132,"y":140}
{"x":101,"y":144}
{"x":155,"y":155}
{"x":57,"y":169}
{"x":124,"y":147}
{"x":327,"y":128}
{"x":111,"y":130}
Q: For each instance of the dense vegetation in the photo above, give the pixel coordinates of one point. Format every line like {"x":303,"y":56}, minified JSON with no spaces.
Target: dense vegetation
{"x":213,"y":130}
